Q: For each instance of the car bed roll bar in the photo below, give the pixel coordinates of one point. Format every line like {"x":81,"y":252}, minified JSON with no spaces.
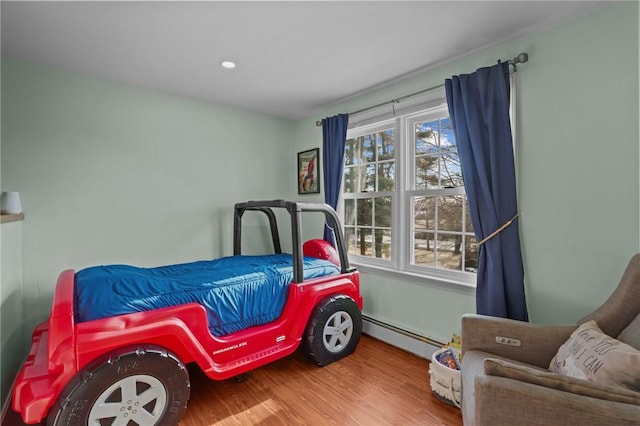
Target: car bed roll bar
{"x":295,"y":209}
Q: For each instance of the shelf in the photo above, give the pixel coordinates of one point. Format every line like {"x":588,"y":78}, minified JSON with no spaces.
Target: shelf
{"x":4,"y":218}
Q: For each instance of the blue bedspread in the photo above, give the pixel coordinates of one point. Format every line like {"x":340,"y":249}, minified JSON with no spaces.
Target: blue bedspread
{"x":237,"y":291}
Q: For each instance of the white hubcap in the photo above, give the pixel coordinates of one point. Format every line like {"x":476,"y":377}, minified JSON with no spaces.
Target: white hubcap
{"x":337,"y":331}
{"x":139,"y":399}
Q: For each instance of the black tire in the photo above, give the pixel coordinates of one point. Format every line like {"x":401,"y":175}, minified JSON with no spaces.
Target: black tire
{"x":156,"y":381}
{"x":333,"y":330}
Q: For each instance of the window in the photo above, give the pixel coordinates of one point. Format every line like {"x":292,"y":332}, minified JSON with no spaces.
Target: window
{"x":405,"y":208}
{"x":369,"y":185}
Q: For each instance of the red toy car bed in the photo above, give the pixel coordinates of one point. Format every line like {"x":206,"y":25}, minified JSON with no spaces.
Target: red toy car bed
{"x":114,"y":348}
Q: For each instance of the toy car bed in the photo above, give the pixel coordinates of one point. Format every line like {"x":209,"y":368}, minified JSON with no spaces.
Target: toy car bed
{"x":114,"y":348}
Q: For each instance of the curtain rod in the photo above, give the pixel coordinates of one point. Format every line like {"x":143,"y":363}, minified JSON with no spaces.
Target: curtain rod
{"x":522,"y":58}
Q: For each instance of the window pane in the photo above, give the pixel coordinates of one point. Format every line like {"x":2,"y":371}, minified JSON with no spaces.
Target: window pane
{"x":349,"y":212}
{"x":449,"y":254}
{"x":427,"y":170}
{"x":451,"y":170}
{"x":424,"y":213}
{"x":364,"y":242}
{"x":368,"y":148}
{"x":360,"y":178}
{"x":369,"y":182}
{"x":383,"y":243}
{"x":468,"y":224}
{"x":350,"y":151}
{"x":423,"y":243}
{"x":365,"y":212}
{"x":471,"y":253}
{"x":426,"y":137}
{"x":447,"y":137}
{"x":350,"y":239}
{"x":350,"y":176}
{"x":450,"y":213}
{"x":386,"y":145}
{"x":383,"y":212}
{"x":386,"y":176}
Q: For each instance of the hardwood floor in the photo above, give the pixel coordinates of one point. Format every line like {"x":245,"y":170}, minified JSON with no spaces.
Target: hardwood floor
{"x":377,"y":385}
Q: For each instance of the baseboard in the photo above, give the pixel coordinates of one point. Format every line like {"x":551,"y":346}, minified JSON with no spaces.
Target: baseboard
{"x":421,"y":346}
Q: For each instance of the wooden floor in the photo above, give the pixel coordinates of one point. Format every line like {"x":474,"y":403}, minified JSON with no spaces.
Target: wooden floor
{"x":377,"y":385}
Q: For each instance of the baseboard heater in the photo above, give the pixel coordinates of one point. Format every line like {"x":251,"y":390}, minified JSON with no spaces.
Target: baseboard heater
{"x":410,"y":341}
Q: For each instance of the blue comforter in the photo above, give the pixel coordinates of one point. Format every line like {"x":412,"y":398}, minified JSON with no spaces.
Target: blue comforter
{"x":237,"y":291}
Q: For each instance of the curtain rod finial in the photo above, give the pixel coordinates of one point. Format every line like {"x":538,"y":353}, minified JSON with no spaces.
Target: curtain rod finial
{"x":318,"y":123}
{"x":522,"y":58}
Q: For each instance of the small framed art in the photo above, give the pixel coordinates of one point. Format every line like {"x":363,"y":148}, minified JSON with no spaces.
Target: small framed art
{"x":308,"y":182}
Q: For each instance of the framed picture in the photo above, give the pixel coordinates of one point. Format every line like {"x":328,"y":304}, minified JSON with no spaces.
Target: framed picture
{"x":308,"y":182}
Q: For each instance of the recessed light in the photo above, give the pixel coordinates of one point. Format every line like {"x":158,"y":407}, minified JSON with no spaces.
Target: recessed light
{"x":228,"y":64}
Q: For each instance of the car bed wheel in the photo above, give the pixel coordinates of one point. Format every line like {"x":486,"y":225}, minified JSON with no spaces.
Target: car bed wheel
{"x":145,"y":386}
{"x":333,"y":330}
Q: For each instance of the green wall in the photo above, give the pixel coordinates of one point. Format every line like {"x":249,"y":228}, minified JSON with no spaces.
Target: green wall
{"x":577,"y":139}
{"x":12,"y":331}
{"x":109,"y":173}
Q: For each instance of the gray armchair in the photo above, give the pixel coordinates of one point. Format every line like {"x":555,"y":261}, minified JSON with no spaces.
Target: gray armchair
{"x":505,"y":380}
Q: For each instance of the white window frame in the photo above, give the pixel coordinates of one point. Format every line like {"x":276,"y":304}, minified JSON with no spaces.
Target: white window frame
{"x":399,"y":266}
{"x":365,"y":130}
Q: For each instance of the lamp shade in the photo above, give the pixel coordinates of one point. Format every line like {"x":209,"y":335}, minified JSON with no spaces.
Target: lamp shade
{"x":10,"y":203}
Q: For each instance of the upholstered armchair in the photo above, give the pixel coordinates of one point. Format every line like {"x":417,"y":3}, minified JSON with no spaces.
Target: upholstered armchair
{"x":505,"y":376}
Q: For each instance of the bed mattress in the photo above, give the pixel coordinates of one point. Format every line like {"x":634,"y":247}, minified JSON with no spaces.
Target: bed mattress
{"x":237,"y":291}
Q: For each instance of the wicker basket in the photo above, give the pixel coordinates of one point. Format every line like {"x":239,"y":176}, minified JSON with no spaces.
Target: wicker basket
{"x":445,"y":382}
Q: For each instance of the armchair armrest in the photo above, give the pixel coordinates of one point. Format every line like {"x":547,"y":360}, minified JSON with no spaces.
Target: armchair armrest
{"x":532,"y":344}
{"x":500,"y":401}
{"x":551,"y":380}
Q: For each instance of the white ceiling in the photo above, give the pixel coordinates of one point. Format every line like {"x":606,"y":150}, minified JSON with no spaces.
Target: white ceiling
{"x":293,"y":57}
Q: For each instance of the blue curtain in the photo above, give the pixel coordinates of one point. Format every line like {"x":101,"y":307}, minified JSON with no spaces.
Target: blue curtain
{"x":334,"y":135}
{"x":479,"y":110}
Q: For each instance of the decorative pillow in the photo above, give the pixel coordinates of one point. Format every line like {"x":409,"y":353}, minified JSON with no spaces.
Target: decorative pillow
{"x":535,"y":376}
{"x":592,"y":355}
{"x":631,"y":334}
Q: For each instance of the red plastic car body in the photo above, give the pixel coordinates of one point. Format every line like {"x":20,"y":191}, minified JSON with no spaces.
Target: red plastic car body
{"x":63,"y":350}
